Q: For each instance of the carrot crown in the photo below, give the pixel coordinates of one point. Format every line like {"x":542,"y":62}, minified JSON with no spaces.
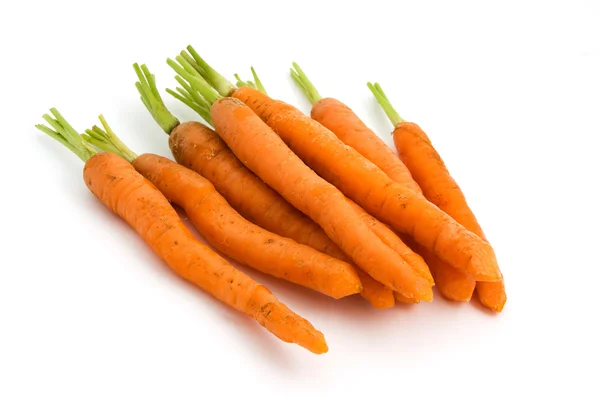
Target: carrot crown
{"x":146,"y":86}
{"x":385,"y":103}
{"x":61,"y":131}
{"x":202,"y":84}
{"x":106,"y":140}
{"x":309,"y":90}
{"x":256,"y":84}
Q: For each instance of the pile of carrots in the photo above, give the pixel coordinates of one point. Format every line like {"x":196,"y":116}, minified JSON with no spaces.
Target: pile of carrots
{"x":319,"y":201}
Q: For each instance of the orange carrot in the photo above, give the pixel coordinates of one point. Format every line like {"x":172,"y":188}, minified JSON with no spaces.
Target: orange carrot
{"x":429,"y":171}
{"x":133,"y":198}
{"x":339,"y":118}
{"x":199,"y":148}
{"x":387,"y":236}
{"x":228,"y":231}
{"x":403,"y":299}
{"x":248,"y":136}
{"x":350,"y":129}
{"x":357,"y":177}
{"x":245,"y":132}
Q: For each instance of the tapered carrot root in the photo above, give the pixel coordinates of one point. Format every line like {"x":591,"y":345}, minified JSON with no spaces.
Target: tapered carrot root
{"x":371,"y":188}
{"x":237,"y":125}
{"x":390,"y":239}
{"x":429,"y":171}
{"x":124,"y":191}
{"x":202,"y":150}
{"x":403,"y":299}
{"x":374,"y":292}
{"x":240,"y":239}
{"x":300,"y":185}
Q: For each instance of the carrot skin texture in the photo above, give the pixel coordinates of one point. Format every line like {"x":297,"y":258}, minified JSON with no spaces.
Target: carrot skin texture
{"x":390,"y":239}
{"x":199,"y":148}
{"x":405,"y":210}
{"x":124,"y":191}
{"x":350,"y":129}
{"x":236,"y":237}
{"x":248,"y":137}
{"x":378,"y":295}
{"x":429,"y":171}
{"x":452,"y":283}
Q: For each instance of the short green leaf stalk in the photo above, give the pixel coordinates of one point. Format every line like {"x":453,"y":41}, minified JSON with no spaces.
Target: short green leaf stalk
{"x":61,"y":131}
{"x":216,"y":80}
{"x":146,"y":86}
{"x":240,"y":83}
{"x":309,"y":90}
{"x":385,"y":103}
{"x":256,"y":84}
{"x":106,"y":140}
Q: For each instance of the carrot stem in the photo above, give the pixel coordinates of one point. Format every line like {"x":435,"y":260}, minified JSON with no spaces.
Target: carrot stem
{"x":106,"y":140}
{"x":309,"y":90}
{"x":192,"y":99}
{"x":216,"y":80}
{"x":194,"y":79}
{"x":385,"y":103}
{"x":146,"y":86}
{"x":258,"y":82}
{"x":239,"y":82}
{"x":64,"y":133}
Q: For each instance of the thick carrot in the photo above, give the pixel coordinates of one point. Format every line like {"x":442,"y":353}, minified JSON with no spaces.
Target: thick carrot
{"x":133,"y":198}
{"x":429,"y":171}
{"x":350,"y":129}
{"x":242,"y":240}
{"x":341,"y":120}
{"x":357,"y":177}
{"x":245,"y":132}
{"x":228,"y":231}
{"x":199,"y":148}
{"x":248,"y":137}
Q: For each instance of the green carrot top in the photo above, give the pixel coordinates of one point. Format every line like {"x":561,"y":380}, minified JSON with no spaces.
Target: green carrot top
{"x":61,"y":131}
{"x":385,"y":103}
{"x":309,"y":90}
{"x":106,"y":140}
{"x":202,"y":84}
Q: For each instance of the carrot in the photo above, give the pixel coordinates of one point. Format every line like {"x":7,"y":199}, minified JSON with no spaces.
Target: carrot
{"x":359,"y":179}
{"x":403,"y":299}
{"x":133,"y":198}
{"x":248,"y":136}
{"x":228,"y":231}
{"x":390,"y":239}
{"x":429,"y":171}
{"x":199,"y":148}
{"x":350,"y":129}
{"x":339,"y":118}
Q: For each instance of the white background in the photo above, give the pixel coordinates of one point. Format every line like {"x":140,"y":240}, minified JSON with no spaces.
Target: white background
{"x":508,"y":91}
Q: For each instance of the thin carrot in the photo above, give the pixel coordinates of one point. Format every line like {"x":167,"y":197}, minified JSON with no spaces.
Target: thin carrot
{"x":429,"y":171}
{"x":133,"y":198}
{"x":247,"y":136}
{"x":199,"y":148}
{"x":350,"y":129}
{"x":229,"y":232}
{"x":347,"y":126}
{"x":359,"y":179}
